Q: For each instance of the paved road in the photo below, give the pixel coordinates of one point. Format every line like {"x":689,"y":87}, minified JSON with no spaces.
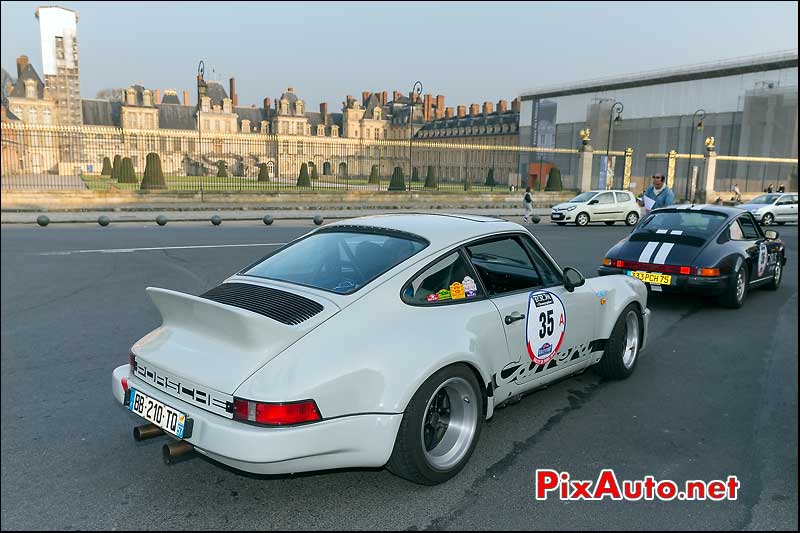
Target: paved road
{"x":714,"y":394}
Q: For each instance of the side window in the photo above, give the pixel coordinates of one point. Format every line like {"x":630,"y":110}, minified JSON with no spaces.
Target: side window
{"x":749,"y":228}
{"x":504,"y":266}
{"x":623,"y":197}
{"x":547,"y":270}
{"x":605,"y":198}
{"x":736,"y":231}
{"x":447,"y":279}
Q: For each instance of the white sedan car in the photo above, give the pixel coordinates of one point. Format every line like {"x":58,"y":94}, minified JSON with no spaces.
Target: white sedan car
{"x":598,"y":206}
{"x":382,"y":340}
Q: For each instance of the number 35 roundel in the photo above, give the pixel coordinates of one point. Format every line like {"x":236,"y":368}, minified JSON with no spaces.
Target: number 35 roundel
{"x":547,"y":322}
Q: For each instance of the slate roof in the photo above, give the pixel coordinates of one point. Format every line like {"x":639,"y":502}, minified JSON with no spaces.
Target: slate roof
{"x":101,"y":112}
{"x":372,"y":102}
{"x":6,"y":79}
{"x":254,"y":114}
{"x":217,"y":93}
{"x":510,"y":118}
{"x":177,"y":117}
{"x":19,"y":87}
{"x":170,"y":99}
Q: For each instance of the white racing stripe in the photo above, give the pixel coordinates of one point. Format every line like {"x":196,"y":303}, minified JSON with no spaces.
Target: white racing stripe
{"x":663,"y":252}
{"x":129,"y":250}
{"x":648,"y":252}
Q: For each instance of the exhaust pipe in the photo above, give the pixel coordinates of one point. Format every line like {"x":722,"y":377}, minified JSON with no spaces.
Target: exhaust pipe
{"x":175,"y":450}
{"x":147,"y":431}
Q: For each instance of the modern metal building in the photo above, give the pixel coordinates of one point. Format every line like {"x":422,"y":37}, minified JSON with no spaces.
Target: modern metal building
{"x":749,"y":105}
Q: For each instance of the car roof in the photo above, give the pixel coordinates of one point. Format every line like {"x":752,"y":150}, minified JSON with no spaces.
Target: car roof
{"x":730,"y":211}
{"x":440,"y":229}
{"x":609,"y":190}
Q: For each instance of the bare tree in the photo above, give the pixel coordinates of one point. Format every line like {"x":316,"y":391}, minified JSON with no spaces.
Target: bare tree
{"x":115,"y":95}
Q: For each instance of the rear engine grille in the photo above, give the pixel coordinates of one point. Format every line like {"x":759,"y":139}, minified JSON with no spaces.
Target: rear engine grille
{"x":279,"y":305}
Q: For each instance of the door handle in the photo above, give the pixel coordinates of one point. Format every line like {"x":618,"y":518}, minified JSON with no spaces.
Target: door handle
{"x":513,"y":317}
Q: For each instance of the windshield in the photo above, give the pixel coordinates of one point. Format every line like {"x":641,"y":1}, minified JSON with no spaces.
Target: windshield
{"x":765,"y":199}
{"x":582,"y":197}
{"x":337,"y":261}
{"x":702,"y":223}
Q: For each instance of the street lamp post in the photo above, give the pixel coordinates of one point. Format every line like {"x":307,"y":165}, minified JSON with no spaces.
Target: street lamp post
{"x":618,"y":107}
{"x":202,"y":90}
{"x":702,"y":114}
{"x":417,"y":88}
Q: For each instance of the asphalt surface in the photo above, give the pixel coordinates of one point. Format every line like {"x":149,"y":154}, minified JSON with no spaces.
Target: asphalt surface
{"x":714,"y":394}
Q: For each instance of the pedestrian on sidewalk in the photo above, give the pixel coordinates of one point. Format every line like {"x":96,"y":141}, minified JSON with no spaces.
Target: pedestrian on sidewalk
{"x":527,"y":205}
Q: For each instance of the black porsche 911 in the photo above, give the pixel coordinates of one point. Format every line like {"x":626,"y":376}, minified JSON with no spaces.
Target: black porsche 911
{"x":716,"y":250}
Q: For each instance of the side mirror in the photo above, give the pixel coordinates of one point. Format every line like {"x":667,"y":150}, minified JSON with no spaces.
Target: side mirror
{"x":771,"y":234}
{"x":572,"y":279}
{"x":592,"y":202}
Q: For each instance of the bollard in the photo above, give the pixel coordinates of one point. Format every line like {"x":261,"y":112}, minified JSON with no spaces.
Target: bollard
{"x":267,"y":220}
{"x":216,"y":220}
{"x":536,"y":219}
{"x":161,"y":220}
{"x":318,"y":220}
{"x":42,"y":220}
{"x":103,"y":220}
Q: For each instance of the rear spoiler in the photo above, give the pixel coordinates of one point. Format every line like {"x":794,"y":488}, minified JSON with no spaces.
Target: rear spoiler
{"x":223,"y":323}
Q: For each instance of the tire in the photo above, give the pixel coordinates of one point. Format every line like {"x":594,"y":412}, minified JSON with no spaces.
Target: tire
{"x":768,"y":219}
{"x":561,"y":223}
{"x":622,"y":350}
{"x":777,"y":275}
{"x":737,"y":292}
{"x":609,"y":222}
{"x":443,"y":457}
{"x":632,"y":219}
{"x":582,"y":219}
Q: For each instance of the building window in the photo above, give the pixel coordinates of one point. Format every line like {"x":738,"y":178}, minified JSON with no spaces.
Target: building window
{"x":163,"y":146}
{"x":285,"y":147}
{"x":177,"y":145}
{"x":18,"y":112}
{"x":300,"y":147}
{"x":320,"y":130}
{"x":32,"y":115}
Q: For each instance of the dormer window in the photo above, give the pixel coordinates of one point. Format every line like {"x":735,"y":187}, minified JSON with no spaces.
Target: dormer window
{"x":30,"y":89}
{"x":226,"y":105}
{"x":377,"y":113}
{"x":334,"y":131}
{"x":320,"y":130}
{"x":206,"y":106}
{"x":299,"y":107}
{"x":284,"y":107}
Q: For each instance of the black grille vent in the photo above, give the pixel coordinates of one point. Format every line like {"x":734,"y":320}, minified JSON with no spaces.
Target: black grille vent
{"x":282,"y":306}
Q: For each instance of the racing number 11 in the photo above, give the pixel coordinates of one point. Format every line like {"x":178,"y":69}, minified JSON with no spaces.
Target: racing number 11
{"x":547,"y":323}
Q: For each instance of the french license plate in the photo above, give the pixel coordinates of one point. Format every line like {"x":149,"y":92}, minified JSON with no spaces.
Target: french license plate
{"x":556,"y":216}
{"x":169,"y":419}
{"x":651,"y":277}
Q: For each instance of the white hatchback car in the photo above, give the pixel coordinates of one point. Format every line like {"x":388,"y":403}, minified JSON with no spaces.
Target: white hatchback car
{"x":382,"y":340}
{"x":773,"y":208}
{"x":598,"y":206}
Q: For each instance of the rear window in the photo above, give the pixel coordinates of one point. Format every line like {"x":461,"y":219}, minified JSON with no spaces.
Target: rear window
{"x":698,"y":223}
{"x":337,"y":261}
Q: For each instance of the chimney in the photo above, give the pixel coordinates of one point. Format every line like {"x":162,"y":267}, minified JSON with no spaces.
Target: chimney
{"x":461,"y":111}
{"x":364,"y":97}
{"x":427,"y":108}
{"x":448,"y":112}
{"x":147,"y":98}
{"x":186,"y":98}
{"x":384,"y":97}
{"x":234,"y":96}
{"x":502,"y":106}
{"x":22,"y":62}
{"x":515,"y":105}
{"x":473,"y":110}
{"x":488,"y":108}
{"x":323,"y":110}
{"x":290,"y":90}
{"x":396,"y":95}
{"x":439,"y":106}
{"x":157,"y":96}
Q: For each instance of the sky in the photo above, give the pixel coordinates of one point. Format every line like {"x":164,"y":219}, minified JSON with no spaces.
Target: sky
{"x":469,"y":52}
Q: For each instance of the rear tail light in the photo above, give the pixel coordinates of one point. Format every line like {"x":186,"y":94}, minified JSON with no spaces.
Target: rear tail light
{"x":685,"y":270}
{"x":276,"y":414}
{"x":708,"y":271}
{"x":650,"y":267}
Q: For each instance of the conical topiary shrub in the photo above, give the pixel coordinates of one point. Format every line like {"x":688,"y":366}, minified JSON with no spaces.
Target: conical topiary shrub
{"x":554,"y":180}
{"x":116,"y":167}
{"x":303,"y":180}
{"x":107,"y":168}
{"x":398,"y":182}
{"x":263,"y":173}
{"x":374,"y":176}
{"x":314,"y":173}
{"x":222,"y":169}
{"x":126,"y":172}
{"x":490,"y":178}
{"x":415,"y":175}
{"x":430,"y":179}
{"x":153,"y":176}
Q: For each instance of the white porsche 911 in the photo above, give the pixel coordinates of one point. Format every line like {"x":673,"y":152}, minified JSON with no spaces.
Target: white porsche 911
{"x":383,"y":340}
